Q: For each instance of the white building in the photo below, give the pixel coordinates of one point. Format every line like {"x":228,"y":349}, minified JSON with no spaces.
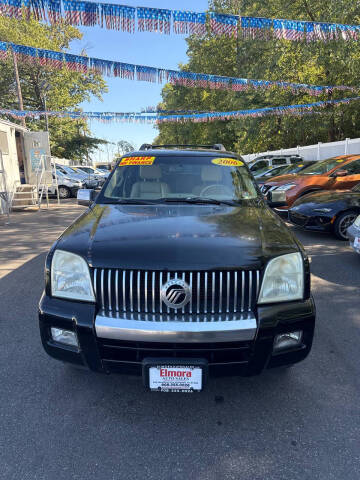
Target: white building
{"x":22,"y":151}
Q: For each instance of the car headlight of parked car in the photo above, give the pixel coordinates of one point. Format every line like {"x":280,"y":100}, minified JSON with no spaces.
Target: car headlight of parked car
{"x":285,"y":188}
{"x":357,"y":222}
{"x":70,"y":277}
{"x":283,"y":279}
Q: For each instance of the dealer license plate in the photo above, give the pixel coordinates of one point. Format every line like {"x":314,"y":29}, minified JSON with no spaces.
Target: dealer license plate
{"x":176,"y":378}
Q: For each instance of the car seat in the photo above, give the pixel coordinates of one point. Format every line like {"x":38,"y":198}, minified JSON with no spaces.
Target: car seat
{"x":150,"y":186}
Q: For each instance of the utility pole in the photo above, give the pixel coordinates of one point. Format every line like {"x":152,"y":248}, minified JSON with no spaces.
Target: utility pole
{"x":18,"y":86}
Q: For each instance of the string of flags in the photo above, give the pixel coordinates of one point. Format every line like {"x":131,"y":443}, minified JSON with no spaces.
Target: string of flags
{"x":147,"y":19}
{"x":157,"y":118}
{"x":79,"y":63}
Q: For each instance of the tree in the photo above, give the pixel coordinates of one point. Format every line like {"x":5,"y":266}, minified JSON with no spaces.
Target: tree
{"x":66,"y":89}
{"x":319,"y":63}
{"x":123,"y":147}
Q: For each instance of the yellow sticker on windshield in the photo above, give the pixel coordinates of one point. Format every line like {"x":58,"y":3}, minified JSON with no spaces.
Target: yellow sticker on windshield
{"x":228,"y":162}
{"x":137,"y":161}
{"x":300,"y":165}
{"x":339,"y":161}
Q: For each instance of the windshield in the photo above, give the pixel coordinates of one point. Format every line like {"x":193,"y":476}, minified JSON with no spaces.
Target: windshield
{"x":171,"y":179}
{"x":294,"y":168}
{"x":86,"y":169}
{"x":319,"y":168}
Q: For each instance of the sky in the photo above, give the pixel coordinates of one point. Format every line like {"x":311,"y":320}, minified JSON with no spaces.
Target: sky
{"x":151,"y":49}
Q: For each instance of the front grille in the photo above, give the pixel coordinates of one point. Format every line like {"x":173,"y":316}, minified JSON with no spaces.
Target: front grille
{"x":136,"y":352}
{"x":140,"y":291}
{"x":298,"y":219}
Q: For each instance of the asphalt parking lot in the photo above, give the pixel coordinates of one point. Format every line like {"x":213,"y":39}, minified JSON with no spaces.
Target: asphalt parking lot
{"x":57,"y":422}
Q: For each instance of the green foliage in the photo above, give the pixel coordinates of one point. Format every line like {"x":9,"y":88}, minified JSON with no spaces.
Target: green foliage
{"x":66,"y":90}
{"x":320,"y":63}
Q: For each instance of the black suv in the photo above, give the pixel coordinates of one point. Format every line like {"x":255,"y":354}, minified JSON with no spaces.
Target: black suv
{"x":178,"y":270}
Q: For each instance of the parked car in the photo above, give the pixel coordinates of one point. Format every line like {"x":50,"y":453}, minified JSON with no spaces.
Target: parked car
{"x":92,"y":173}
{"x":68,"y":186}
{"x":264,"y":163}
{"x":337,"y":173}
{"x":77,"y":175}
{"x":104,"y":168}
{"x":283,"y":170}
{"x":353,"y":234}
{"x":327,"y":211}
{"x":177,"y":270}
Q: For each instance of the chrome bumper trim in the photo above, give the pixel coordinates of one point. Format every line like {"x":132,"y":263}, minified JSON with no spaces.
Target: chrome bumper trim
{"x":122,"y":328}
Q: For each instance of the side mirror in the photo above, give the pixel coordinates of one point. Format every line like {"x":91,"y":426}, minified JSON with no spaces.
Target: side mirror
{"x":340,"y":173}
{"x":277,"y":199}
{"x":86,"y":197}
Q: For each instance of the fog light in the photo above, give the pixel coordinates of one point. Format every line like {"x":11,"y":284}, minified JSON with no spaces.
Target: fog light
{"x":65,"y":337}
{"x":287,"y":340}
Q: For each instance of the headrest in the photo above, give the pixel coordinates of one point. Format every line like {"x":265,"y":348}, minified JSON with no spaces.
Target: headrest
{"x":211,"y":174}
{"x":150,"y":172}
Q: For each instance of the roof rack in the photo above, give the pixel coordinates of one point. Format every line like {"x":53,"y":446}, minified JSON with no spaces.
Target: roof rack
{"x":217,"y":146}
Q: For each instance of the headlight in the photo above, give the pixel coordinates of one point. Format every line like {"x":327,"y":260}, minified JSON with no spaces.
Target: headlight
{"x":357,"y":222}
{"x":283,"y":279}
{"x":285,"y":188}
{"x":70,"y":277}
{"x":323,"y":210}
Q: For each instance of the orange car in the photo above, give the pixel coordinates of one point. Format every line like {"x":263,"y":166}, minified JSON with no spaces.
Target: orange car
{"x":337,"y":173}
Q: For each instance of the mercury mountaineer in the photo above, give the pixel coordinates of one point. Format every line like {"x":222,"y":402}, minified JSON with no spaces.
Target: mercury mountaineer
{"x":178,"y":271}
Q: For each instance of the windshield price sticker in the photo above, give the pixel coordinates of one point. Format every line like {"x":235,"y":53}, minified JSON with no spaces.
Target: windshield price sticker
{"x":228,"y":162}
{"x":137,"y":161}
{"x":340,"y":161}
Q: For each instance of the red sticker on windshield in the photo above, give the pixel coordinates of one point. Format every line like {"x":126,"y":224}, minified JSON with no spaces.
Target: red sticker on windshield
{"x":137,"y":161}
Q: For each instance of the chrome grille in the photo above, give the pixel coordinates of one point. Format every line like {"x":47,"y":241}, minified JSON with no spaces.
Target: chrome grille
{"x":138,"y":291}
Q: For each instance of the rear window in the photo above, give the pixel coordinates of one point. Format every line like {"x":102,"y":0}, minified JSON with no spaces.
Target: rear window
{"x":156,"y":178}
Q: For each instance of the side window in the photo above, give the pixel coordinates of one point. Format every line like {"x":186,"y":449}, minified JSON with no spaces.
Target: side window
{"x":259,"y":166}
{"x":295,"y":159}
{"x":279,"y":161}
{"x":352,"y":168}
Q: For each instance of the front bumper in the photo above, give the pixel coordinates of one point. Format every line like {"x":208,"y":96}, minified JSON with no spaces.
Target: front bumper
{"x":321,"y":223}
{"x":111,"y":344}
{"x":353,"y":233}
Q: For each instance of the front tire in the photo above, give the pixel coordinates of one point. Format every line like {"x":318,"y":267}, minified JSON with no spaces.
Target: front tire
{"x":64,"y":192}
{"x":343,"y":222}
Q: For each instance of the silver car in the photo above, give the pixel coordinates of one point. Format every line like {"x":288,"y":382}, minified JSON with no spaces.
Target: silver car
{"x":87,"y":182}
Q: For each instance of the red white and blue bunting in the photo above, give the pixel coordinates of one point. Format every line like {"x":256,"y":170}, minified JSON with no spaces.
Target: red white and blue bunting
{"x":146,"y":19}
{"x":167,"y":117}
{"x":82,"y":64}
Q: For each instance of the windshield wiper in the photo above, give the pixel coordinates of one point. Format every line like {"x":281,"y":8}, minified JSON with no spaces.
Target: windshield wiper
{"x":198,"y":201}
{"x":128,"y":201}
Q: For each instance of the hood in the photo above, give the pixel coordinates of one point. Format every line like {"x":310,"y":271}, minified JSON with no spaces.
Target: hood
{"x":328,"y":199}
{"x":180,"y":237}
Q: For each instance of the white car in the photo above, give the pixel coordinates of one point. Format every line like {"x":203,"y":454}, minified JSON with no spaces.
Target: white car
{"x":68,"y":186}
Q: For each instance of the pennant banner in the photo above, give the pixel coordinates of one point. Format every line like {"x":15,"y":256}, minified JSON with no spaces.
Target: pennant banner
{"x":167,"y":117}
{"x":79,"y":63}
{"x":126,"y":18}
